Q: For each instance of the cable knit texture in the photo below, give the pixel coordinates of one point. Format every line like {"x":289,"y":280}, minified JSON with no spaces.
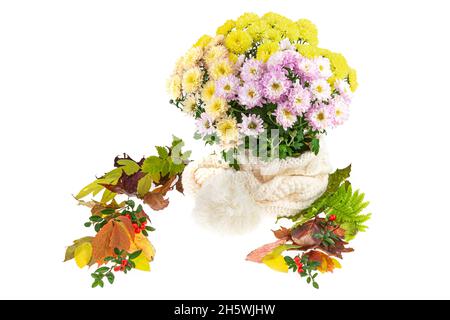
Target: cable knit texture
{"x":278,"y":187}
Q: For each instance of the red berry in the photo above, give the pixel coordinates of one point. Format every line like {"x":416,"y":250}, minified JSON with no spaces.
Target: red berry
{"x":300,"y":271}
{"x":137,"y":230}
{"x":142,"y":227}
{"x":122,"y":268}
{"x":332,"y":217}
{"x":297,"y":259}
{"x":117,"y":268}
{"x":144,"y":223}
{"x":135,"y":225}
{"x":124,"y":262}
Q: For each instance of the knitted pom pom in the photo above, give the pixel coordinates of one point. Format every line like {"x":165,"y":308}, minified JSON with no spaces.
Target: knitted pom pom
{"x":224,"y":204}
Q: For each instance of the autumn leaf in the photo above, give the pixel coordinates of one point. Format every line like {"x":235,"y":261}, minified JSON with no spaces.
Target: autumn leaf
{"x":128,"y":166}
{"x":126,"y":185}
{"x":117,"y":233}
{"x":83,"y":254}
{"x":144,"y":185}
{"x":156,"y":201}
{"x":327,"y":263}
{"x":282,"y":233}
{"x":70,"y":251}
{"x":179,"y":184}
{"x":304,"y":235}
{"x":142,"y":243}
{"x":257,"y":255}
{"x":275,"y":260}
{"x":141,"y":263}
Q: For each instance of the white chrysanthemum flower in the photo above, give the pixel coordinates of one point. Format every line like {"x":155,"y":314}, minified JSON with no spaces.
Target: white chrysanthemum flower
{"x":323,"y":67}
{"x":343,"y":88}
{"x":321,"y":89}
{"x":192,"y":79}
{"x":286,"y":44}
{"x":227,"y":130}
{"x":213,"y":54}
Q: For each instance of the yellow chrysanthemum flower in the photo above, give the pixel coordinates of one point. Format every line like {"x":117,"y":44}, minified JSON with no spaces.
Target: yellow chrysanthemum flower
{"x":246,"y":19}
{"x":208,"y":91}
{"x":273,"y":35}
{"x":273,"y":19}
{"x":192,"y":79}
{"x":190,"y":105}
{"x":227,"y":130}
{"x":308,"y":51}
{"x":174,"y":87}
{"x":238,"y":41}
{"x":203,"y":41}
{"x":292,"y":31}
{"x":353,"y":80}
{"x":192,"y":57}
{"x":216,"y":107}
{"x":220,"y":68}
{"x":214,"y":54}
{"x":233,"y":57}
{"x":257,"y":29}
{"x":226,"y":28}
{"x":339,"y":64}
{"x":308,"y":31}
{"x":266,"y":50}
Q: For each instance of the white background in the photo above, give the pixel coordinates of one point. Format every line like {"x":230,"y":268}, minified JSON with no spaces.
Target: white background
{"x":84,"y":81}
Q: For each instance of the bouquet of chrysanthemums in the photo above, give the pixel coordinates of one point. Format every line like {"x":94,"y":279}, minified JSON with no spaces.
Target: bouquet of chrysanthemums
{"x":260,"y":74}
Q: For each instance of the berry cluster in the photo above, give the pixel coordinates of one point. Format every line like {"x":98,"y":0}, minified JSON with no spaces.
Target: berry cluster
{"x":299,"y":264}
{"x":122,"y":266}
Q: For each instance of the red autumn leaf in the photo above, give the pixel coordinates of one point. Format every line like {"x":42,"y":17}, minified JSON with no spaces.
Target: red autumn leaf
{"x":282,"y":233}
{"x":326,"y":262}
{"x":258,"y":254}
{"x":126,"y":184}
{"x":303,"y":235}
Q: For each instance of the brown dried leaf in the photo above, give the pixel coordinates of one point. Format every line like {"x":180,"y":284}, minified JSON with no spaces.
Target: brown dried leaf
{"x":282,"y":233}
{"x":303,"y":235}
{"x":179,"y":184}
{"x":100,"y":243}
{"x":156,"y":200}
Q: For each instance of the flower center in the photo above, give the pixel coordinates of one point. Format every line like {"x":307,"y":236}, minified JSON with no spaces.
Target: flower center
{"x":251,"y":93}
{"x":321,"y":116}
{"x":276,"y":86}
{"x":252,"y":125}
{"x":227,"y":87}
{"x":319,"y":89}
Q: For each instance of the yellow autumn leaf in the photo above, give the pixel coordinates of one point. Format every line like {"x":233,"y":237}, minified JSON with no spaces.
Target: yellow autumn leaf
{"x":83,"y":254}
{"x":276,"y":263}
{"x":336,"y":264}
{"x":141,"y":263}
{"x":323,"y":267}
{"x":142,"y":243}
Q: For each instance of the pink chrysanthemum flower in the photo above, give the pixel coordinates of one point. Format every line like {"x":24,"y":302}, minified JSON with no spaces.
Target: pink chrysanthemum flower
{"x":252,"y":70}
{"x":308,"y":70}
{"x":285,"y":115}
{"x":300,"y":99}
{"x":275,"y":85}
{"x":340,"y":111}
{"x":251,"y":125}
{"x":250,"y":95}
{"x":285,"y":59}
{"x":226,"y":87}
{"x":320,"y":117}
{"x":205,"y":125}
{"x":343,"y":88}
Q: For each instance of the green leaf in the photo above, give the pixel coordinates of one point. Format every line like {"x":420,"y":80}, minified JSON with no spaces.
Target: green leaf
{"x":162,"y":152}
{"x":315,"y":146}
{"x":108,"y":211}
{"x":88,"y":224}
{"x":107,"y":196}
{"x":316,"y":285}
{"x":130,"y":203}
{"x":135,"y":254}
{"x":117,"y":251}
{"x":308,"y":280}
{"x":95,"y":218}
{"x":102,"y":270}
{"x":144,"y":185}
{"x":93,"y":188}
{"x":110,"y":276}
{"x":95,"y":284}
{"x":153,"y":166}
{"x":150,"y":228}
{"x":197,"y":136}
{"x":130,"y":167}
{"x":145,"y":233}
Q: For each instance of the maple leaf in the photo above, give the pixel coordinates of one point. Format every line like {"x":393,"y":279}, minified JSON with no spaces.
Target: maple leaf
{"x":282,"y":233}
{"x":117,"y":233}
